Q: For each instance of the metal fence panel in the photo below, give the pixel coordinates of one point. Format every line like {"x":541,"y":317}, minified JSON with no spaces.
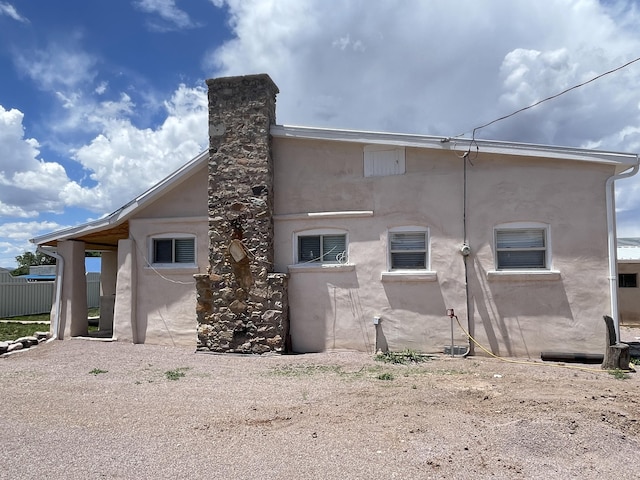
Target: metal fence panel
{"x":20,"y":297}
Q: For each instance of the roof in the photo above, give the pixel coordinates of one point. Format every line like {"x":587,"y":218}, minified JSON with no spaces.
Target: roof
{"x":628,"y":249}
{"x":116,"y":222}
{"x":622,"y":160}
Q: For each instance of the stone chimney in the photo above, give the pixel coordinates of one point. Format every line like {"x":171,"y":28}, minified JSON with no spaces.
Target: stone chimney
{"x":241,"y":304}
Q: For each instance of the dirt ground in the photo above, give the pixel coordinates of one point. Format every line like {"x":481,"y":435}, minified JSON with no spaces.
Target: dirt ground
{"x":81,"y":409}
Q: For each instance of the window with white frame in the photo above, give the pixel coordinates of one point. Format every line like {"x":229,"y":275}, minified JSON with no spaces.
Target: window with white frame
{"x":522,"y":247}
{"x":408,"y":248}
{"x":383,"y":160}
{"x":173,"y":250}
{"x":321,"y":247}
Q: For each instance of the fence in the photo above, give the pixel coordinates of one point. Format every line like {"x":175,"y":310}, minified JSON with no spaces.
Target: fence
{"x":21,"y":297}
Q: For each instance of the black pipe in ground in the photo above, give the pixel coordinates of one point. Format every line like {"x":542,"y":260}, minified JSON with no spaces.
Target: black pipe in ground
{"x":572,"y":357}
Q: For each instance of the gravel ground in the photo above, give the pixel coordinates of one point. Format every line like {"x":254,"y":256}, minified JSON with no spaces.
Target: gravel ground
{"x":81,"y":409}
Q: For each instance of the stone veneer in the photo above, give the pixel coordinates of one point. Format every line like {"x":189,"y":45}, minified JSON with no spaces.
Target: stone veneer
{"x":241,"y":303}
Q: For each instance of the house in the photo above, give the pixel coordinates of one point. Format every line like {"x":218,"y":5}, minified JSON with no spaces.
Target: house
{"x":628,"y":270}
{"x":313,"y":239}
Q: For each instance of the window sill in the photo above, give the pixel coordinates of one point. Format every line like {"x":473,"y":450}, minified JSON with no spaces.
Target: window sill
{"x":409,"y":276}
{"x":523,"y":275}
{"x":321,"y":267}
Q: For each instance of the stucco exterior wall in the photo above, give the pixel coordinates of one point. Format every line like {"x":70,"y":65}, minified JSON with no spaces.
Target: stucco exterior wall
{"x":333,"y":307}
{"x":629,"y":298}
{"x":73,"y":312}
{"x":163,"y":310}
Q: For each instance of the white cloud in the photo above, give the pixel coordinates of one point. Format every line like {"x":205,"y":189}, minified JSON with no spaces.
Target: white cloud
{"x":126,"y":160}
{"x":101,"y":88}
{"x":443,"y":68}
{"x":172,"y":18}
{"x":14,"y":238}
{"x":29,"y":184}
{"x":123,"y":160}
{"x":57,"y":67}
{"x":436,"y":67}
{"x":10,"y":11}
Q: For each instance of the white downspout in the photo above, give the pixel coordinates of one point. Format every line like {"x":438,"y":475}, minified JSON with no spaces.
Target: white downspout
{"x":611,"y":230}
{"x":59,"y":277}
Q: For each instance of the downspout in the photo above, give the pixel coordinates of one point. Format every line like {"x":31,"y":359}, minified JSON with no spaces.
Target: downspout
{"x":59,"y":277}
{"x":611,"y":231}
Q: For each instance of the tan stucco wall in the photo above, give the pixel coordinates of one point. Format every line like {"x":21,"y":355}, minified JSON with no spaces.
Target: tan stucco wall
{"x":513,"y":315}
{"x":108,"y":278}
{"x":629,"y":298}
{"x":163,"y":308}
{"x":73,"y":312}
{"x":124,"y":313}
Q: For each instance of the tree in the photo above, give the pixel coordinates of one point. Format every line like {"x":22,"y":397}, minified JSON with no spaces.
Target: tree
{"x":30,"y":259}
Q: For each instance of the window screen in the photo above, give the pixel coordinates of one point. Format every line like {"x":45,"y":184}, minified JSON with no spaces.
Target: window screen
{"x":522,"y":248}
{"x":408,"y":250}
{"x":174,"y":250}
{"x":628,"y":280}
{"x":322,"y":248}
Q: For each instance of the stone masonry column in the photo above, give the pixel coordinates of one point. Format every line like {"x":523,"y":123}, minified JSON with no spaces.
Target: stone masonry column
{"x":242,"y":304}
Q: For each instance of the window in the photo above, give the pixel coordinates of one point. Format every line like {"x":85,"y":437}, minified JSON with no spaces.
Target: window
{"x":383,"y":160}
{"x":408,"y":250}
{"x":628,"y":280}
{"x":322,"y":248}
{"x":173,"y":250}
{"x":521,"y":248}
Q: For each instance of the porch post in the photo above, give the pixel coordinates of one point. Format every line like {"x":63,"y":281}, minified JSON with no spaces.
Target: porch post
{"x":74,"y":312}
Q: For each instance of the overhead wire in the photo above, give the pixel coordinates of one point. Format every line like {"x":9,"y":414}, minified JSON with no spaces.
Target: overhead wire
{"x":535,"y":104}
{"x":466,"y":157}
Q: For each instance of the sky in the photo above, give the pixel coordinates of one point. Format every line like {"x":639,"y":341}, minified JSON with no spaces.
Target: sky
{"x":99,"y":100}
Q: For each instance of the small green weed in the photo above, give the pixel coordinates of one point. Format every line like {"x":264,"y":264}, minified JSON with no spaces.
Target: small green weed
{"x":385,"y":376}
{"x":304,"y":370}
{"x":403,"y":357}
{"x":635,"y":361}
{"x":176,"y":373}
{"x":619,"y":374}
{"x":98,"y":371}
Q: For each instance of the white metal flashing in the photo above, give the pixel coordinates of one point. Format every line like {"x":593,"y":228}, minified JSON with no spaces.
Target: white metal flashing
{"x":458,"y":145}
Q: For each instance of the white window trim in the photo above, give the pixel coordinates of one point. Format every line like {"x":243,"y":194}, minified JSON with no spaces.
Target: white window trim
{"x":174,"y":265}
{"x":545,"y":273}
{"x":295,"y":265}
{"x":409,"y":275}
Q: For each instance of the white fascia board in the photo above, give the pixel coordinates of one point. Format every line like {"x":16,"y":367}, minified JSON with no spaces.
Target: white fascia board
{"x":457,"y":145}
{"x":126,"y":211}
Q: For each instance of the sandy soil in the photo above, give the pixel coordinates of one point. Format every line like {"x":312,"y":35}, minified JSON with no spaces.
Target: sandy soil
{"x":328,"y":416}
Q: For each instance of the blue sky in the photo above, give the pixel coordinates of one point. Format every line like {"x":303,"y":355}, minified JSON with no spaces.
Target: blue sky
{"x":100,"y":100}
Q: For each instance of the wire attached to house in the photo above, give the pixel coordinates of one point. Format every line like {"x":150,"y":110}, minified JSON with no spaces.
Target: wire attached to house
{"x":535,"y":104}
{"x":522,"y":362}
{"x":148,"y":264}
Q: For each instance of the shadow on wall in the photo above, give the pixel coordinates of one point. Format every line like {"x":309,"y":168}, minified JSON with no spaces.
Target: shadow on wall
{"x":515,"y":315}
{"x":416,"y":317}
{"x":327,"y":313}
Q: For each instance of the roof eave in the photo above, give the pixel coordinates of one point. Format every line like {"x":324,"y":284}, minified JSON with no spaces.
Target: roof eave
{"x":624,"y":160}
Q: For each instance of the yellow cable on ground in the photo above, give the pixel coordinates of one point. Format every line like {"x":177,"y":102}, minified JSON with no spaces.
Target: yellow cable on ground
{"x":522,"y":362}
